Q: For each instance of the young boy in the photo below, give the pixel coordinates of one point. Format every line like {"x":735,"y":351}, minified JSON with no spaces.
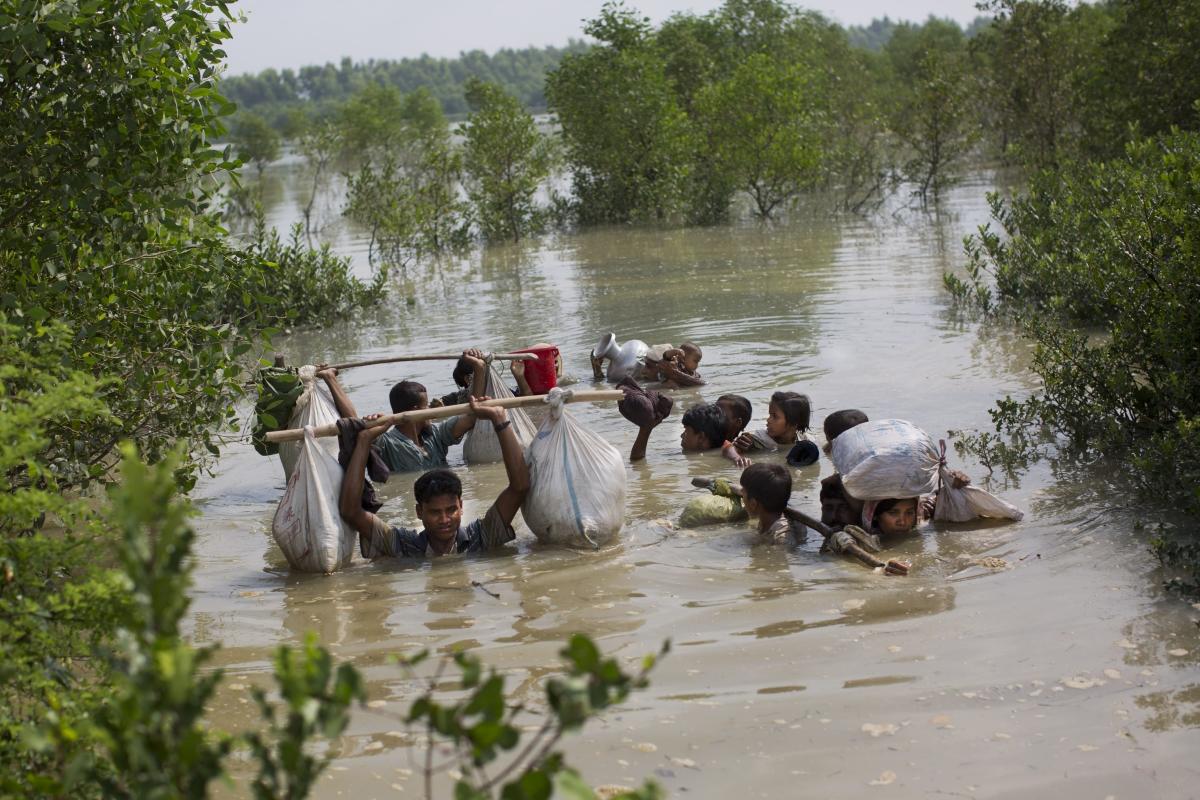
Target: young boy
{"x":439,"y":502}
{"x":838,"y":509}
{"x":766,"y":489}
{"x":679,"y":366}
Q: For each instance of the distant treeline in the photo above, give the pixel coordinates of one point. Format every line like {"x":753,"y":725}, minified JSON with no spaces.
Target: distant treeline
{"x":273,"y":93}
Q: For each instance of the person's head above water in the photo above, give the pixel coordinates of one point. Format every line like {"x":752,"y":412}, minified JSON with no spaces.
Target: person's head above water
{"x":895,"y":516}
{"x":766,"y":486}
{"x":439,"y":503}
{"x":463,"y":371}
{"x":738,"y":411}
{"x":839,"y":422}
{"x":408,"y":396}
{"x":703,"y":427}
{"x":690,"y":355}
{"x":787,"y":415}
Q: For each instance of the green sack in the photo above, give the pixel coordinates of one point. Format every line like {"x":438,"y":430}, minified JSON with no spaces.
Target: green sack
{"x":711,"y":509}
{"x":278,"y":390}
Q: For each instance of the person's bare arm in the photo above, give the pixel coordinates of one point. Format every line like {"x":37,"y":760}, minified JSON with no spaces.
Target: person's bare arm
{"x":510,"y":499}
{"x":350,"y":498}
{"x":479,"y":371}
{"x":680,"y":378}
{"x":730,"y":451}
{"x":345,"y":408}
{"x":597,"y":364}
{"x":518,"y":371}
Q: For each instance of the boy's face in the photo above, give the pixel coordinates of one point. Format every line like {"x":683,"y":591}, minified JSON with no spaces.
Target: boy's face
{"x":690,"y":360}
{"x":899,"y":519}
{"x":441,"y":516}
{"x":693,"y":440}
{"x":777,"y":424}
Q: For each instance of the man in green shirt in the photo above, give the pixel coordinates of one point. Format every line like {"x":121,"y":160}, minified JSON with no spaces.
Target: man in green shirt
{"x":420,"y":445}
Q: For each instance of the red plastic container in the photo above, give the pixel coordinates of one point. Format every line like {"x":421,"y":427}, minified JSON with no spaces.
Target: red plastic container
{"x":543,"y":373}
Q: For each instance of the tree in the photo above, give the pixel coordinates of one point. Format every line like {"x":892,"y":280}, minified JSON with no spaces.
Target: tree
{"x":931,"y":112}
{"x":505,"y":160}
{"x":765,"y":125}
{"x":256,"y":142}
{"x":626,"y":138}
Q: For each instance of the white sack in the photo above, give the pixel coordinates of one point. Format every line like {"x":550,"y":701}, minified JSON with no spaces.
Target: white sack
{"x":886,"y":458}
{"x":307,"y":525}
{"x":970,"y":502}
{"x":481,"y":445}
{"x":577,"y":482}
{"x":314,"y":407}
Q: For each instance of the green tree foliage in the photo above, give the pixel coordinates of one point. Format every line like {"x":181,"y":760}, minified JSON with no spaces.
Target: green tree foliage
{"x":505,"y":160}
{"x":932,"y":110}
{"x":1147,"y":75}
{"x":274,"y":93}
{"x":765,"y":124}
{"x":625,"y":135}
{"x":484,"y":728}
{"x":106,"y":118}
{"x":1113,"y":246}
{"x":256,"y":141}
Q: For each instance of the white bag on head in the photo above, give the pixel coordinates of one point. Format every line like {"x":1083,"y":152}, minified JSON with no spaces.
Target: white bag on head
{"x":885,"y":459}
{"x":481,"y":445}
{"x":308,"y":526}
{"x":577,"y":482}
{"x":314,"y":407}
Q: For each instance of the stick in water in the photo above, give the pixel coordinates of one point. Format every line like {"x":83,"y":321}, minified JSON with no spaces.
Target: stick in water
{"x":433,"y":357}
{"x":590,"y":396}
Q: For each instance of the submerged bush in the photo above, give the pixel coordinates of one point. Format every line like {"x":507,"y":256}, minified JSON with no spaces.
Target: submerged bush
{"x":1100,"y":265}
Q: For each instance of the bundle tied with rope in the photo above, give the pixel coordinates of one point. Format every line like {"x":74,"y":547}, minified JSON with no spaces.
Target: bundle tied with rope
{"x":892,"y":458}
{"x":577,"y":481}
{"x":481,"y":445}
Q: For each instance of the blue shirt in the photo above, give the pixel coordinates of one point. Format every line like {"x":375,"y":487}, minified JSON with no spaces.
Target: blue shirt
{"x":401,"y":454}
{"x":486,"y":533}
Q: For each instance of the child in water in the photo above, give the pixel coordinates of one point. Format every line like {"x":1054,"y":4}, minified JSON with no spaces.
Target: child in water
{"x":787,"y":425}
{"x":679,"y":366}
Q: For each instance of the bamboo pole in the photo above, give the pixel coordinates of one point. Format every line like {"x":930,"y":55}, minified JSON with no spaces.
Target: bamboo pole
{"x":589,"y":396}
{"x":432,"y":357}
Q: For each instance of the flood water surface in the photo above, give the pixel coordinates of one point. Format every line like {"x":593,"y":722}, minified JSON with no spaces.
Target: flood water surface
{"x":792,"y":673}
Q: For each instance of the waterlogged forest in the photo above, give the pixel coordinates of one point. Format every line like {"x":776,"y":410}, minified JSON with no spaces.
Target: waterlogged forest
{"x":141,"y":282}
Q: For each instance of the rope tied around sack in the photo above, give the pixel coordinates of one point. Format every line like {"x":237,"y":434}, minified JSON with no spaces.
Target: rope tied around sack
{"x":556,"y":398}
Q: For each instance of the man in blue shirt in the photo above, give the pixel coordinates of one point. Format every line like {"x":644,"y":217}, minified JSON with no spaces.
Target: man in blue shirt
{"x":439,"y":502}
{"x":415,"y":445}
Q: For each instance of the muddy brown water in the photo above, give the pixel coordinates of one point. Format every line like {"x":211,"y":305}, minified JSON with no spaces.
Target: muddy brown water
{"x":792,"y":673}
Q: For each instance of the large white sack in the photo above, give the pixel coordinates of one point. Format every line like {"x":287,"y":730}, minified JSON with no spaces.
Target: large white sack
{"x":314,"y":407}
{"x":885,"y":459}
{"x":481,"y":445}
{"x":970,"y":502}
{"x":577,"y":482}
{"x":307,"y":525}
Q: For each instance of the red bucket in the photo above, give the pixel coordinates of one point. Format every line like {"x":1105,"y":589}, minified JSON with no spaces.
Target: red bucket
{"x":542,"y":374}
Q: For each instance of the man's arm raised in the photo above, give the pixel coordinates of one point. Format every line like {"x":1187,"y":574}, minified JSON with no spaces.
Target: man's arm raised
{"x":350,"y":498}
{"x":340,"y":399}
{"x":509,"y":501}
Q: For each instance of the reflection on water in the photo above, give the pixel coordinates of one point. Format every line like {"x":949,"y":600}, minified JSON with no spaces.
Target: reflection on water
{"x":767,"y":638}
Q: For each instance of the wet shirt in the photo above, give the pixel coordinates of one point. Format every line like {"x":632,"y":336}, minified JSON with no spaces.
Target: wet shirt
{"x":783,"y":531}
{"x":487,"y":532}
{"x":401,"y":453}
{"x":761,"y":440}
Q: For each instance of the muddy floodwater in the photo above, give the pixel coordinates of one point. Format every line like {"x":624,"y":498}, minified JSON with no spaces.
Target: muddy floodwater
{"x":1069,"y":673}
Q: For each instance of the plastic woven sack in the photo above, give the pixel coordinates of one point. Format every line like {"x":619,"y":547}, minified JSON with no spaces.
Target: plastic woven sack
{"x":313,"y":407}
{"x":970,"y":502}
{"x":886,"y":458}
{"x":307,"y":525}
{"x":481,"y":445}
{"x":577,"y":482}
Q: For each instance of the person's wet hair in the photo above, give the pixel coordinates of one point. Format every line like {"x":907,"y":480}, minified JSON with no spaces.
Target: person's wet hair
{"x":405,"y":396}
{"x":795,"y":407}
{"x":839,"y":422}
{"x":707,"y":419}
{"x":888,"y":505}
{"x":691,"y":348}
{"x":435,"y":483}
{"x":768,"y":484}
{"x":742,"y":409}
{"x":463,"y":371}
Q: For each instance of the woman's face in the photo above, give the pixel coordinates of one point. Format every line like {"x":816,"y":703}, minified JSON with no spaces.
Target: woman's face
{"x":899,"y":519}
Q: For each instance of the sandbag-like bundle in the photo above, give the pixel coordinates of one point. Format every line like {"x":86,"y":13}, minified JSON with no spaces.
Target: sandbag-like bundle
{"x":711,"y":509}
{"x":314,"y":407}
{"x":577,"y":482}
{"x":885,"y":459}
{"x":481,"y":445}
{"x":307,"y":525}
{"x":970,"y":502}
